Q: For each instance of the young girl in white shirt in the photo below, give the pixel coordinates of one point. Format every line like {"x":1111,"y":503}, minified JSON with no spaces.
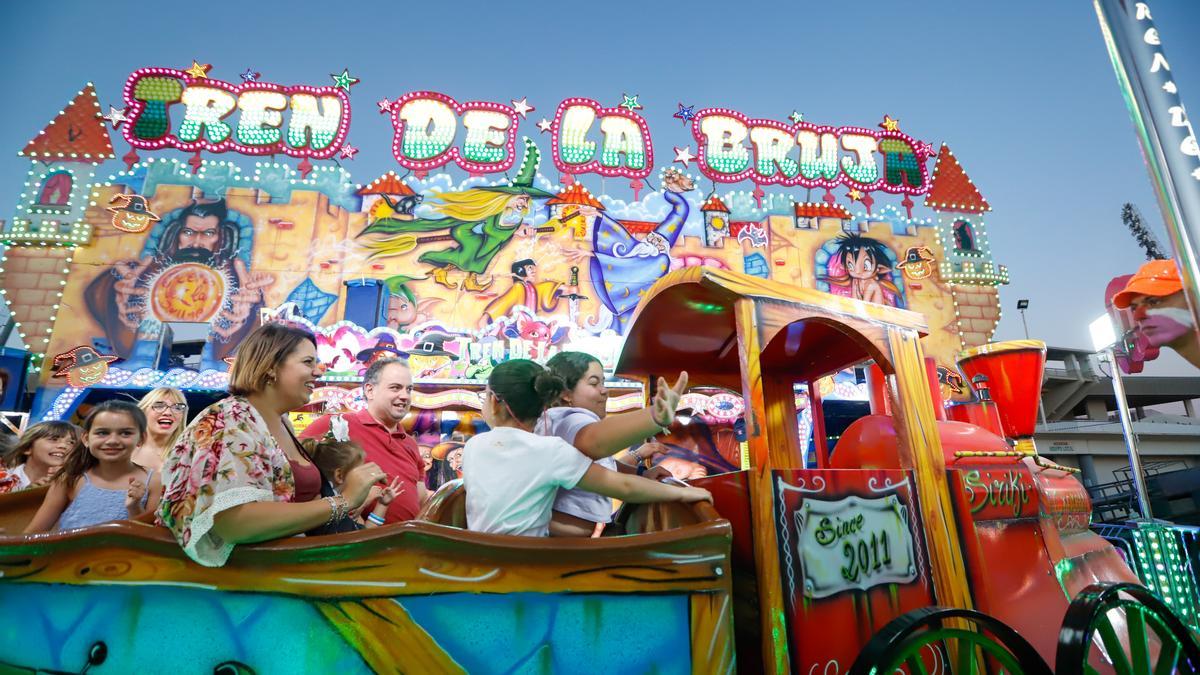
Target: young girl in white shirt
{"x":513,"y":475}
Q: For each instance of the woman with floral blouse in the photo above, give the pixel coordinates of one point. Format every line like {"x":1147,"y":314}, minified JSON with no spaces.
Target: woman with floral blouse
{"x":238,"y":475}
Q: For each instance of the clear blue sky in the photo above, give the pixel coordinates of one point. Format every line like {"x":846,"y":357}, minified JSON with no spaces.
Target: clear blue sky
{"x":1023,"y":91}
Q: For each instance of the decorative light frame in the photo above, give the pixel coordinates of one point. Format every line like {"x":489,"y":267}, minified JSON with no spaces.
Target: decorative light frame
{"x":595,"y":165}
{"x":452,"y":153}
{"x":751,"y":173}
{"x":137,"y":108}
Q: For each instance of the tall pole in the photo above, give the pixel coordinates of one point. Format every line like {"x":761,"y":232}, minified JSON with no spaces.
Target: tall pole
{"x":1025,"y":324}
{"x":1135,"y":460}
{"x":1168,"y":142}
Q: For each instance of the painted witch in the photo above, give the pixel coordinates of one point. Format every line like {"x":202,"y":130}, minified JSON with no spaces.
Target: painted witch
{"x":481,"y":221}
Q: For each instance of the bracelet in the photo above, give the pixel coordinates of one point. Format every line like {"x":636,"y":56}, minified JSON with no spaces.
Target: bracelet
{"x":633,"y":452}
{"x":374,"y":519}
{"x":338,"y":508}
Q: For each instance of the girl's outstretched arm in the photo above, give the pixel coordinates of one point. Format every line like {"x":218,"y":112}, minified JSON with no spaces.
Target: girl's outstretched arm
{"x":617,"y":432}
{"x":637,"y":490}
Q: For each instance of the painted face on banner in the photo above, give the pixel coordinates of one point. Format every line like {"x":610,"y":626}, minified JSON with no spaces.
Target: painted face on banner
{"x":1164,"y":319}
{"x":200,"y":232}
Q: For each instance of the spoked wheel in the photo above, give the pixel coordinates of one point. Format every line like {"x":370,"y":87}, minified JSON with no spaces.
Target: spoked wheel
{"x":960,"y":641}
{"x":1138,"y":634}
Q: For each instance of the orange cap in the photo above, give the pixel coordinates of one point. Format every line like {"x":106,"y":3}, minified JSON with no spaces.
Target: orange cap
{"x":1157,"y":278}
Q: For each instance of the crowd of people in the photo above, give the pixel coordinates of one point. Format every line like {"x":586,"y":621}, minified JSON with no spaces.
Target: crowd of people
{"x":550,"y":464}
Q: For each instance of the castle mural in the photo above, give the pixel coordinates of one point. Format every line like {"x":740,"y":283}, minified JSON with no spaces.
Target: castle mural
{"x":458,"y":269}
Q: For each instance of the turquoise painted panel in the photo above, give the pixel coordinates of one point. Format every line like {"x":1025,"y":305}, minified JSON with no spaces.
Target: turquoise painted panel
{"x":152,"y":629}
{"x":538,"y":633}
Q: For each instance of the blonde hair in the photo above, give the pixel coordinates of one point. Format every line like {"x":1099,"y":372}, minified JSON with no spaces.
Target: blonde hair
{"x":166,"y":394}
{"x":472,"y":204}
{"x":468,"y":206}
{"x":263,"y":350}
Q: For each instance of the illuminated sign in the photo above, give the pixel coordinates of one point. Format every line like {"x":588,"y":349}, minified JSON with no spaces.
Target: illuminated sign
{"x":853,"y":543}
{"x":172,"y":108}
{"x":625,"y":148}
{"x":426,"y":124}
{"x":733,"y":147}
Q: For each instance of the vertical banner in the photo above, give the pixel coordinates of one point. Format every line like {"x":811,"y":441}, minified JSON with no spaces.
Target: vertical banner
{"x":1172,"y":153}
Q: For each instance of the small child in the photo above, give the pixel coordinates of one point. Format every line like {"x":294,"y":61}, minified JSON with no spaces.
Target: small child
{"x":512,"y":475}
{"x":40,"y":453}
{"x":99,"y":482}
{"x":336,"y":456}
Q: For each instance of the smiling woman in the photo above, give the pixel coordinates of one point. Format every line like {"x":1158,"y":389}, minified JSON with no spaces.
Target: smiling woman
{"x":166,"y":412}
{"x":238,"y":474}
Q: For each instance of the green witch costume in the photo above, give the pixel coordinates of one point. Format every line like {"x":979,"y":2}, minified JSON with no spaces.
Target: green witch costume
{"x":477,"y":242}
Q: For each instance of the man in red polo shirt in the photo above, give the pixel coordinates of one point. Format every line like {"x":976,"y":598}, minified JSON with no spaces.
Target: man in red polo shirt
{"x":387,"y":386}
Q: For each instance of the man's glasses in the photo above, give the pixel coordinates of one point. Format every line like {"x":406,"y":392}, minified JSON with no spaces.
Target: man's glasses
{"x":162,"y":406}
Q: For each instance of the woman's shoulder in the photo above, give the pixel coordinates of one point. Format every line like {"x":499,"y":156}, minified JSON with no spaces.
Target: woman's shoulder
{"x":228,"y":409}
{"x":229,"y":416}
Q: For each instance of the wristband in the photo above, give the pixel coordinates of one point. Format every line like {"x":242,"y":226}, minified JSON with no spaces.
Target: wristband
{"x":374,"y":519}
{"x":641,"y":468}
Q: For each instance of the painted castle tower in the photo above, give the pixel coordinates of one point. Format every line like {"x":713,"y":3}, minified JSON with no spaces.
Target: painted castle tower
{"x":49,"y":222}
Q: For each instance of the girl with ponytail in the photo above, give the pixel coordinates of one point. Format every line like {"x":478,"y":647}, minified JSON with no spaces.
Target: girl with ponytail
{"x":513,"y":475}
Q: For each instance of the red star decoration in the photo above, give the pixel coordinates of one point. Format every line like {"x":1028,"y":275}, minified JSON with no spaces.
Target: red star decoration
{"x":829,"y":198}
{"x":305,"y":167}
{"x":348,"y":151}
{"x":868,"y":200}
{"x":385,"y":106}
{"x":196,"y":162}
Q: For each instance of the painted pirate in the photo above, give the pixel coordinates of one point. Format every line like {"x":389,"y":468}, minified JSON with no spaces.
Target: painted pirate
{"x":480,"y":221}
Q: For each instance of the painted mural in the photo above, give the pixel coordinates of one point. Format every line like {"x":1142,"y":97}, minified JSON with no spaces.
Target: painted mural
{"x":489,"y":244}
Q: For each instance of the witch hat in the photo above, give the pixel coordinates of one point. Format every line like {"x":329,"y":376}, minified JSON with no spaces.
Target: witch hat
{"x":432,"y":344}
{"x":79,"y":357}
{"x":523,"y":183}
{"x":385,"y":347}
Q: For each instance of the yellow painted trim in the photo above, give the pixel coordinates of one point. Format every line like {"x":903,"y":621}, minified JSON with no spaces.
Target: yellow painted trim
{"x":386,"y":637}
{"x":1000,"y":347}
{"x":921,"y":451}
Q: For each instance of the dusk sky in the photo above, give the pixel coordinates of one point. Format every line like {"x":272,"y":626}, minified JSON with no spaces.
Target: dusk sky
{"x":1022,"y":91}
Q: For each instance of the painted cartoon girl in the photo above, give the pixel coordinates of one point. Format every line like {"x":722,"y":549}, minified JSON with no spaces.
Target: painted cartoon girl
{"x":860,"y":268}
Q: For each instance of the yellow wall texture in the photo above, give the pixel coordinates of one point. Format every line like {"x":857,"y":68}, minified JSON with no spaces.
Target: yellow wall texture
{"x":319,"y":244}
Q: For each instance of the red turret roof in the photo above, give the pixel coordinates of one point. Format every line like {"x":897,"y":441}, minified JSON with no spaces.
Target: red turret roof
{"x":387,"y":184}
{"x":575,"y":193}
{"x":714,"y":203}
{"x":736,"y":227}
{"x":952,"y":190}
{"x":639,"y":226}
{"x":76,"y":134}
{"x":821,"y":210}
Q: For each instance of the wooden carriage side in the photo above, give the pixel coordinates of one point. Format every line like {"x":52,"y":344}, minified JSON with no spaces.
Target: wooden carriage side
{"x":759,"y":337}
